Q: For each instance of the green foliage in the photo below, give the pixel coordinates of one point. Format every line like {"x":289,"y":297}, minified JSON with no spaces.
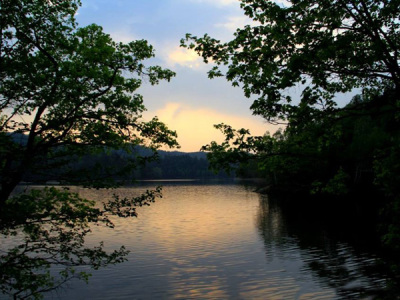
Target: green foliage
{"x":67,"y":89}
{"x":239,"y":146}
{"x":320,"y":48}
{"x":332,"y":156}
{"x":337,"y":185}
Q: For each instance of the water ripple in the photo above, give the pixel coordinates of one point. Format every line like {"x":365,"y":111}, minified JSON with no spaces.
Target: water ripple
{"x":219,"y":242}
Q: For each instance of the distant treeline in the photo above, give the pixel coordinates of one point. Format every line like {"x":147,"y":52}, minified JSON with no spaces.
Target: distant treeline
{"x":136,"y":164}
{"x":178,"y":165}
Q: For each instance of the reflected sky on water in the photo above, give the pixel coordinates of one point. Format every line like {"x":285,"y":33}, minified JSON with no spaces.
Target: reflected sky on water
{"x":220,"y":242}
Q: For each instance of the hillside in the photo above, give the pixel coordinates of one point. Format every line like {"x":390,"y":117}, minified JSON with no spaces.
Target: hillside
{"x":136,"y":164}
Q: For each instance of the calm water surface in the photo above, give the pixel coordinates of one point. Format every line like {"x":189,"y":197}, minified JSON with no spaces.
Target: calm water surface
{"x":214,"y":241}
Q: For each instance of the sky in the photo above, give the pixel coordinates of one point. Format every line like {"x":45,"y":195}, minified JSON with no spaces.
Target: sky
{"x":190,"y":103}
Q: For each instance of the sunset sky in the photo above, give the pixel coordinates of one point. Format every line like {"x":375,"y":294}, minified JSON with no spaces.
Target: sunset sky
{"x":191,"y":103}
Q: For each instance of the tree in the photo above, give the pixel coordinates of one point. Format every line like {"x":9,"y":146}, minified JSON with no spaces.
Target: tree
{"x":322,"y":48}
{"x":64,"y":87}
{"x":65,"y":92}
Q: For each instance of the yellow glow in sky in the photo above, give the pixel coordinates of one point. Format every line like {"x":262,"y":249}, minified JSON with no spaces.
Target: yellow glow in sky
{"x":195,"y":125}
{"x":184,"y":57}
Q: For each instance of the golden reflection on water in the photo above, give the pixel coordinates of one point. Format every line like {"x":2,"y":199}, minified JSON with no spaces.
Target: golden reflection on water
{"x":175,"y":224}
{"x":205,"y":240}
{"x":202,"y":242}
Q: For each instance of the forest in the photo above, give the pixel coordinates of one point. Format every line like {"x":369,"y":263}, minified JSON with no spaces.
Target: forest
{"x":125,"y":167}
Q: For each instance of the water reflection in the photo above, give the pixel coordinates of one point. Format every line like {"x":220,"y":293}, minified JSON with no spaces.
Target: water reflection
{"x":216,"y":241}
{"x":335,"y":264}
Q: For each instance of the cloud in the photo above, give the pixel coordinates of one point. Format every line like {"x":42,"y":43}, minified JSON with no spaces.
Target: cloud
{"x":195,"y":125}
{"x":183,"y":57}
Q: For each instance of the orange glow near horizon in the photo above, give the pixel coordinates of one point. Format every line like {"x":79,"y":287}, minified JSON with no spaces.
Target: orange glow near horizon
{"x":195,"y":125}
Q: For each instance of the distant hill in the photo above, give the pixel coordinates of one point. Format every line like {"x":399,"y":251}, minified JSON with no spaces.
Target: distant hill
{"x":169,"y":165}
{"x":199,"y":155}
{"x":179,"y":165}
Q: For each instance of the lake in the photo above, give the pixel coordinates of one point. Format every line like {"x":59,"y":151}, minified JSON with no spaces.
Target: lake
{"x":222,"y":241}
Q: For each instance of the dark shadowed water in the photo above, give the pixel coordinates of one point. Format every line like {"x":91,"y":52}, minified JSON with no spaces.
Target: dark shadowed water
{"x":213,"y":241}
